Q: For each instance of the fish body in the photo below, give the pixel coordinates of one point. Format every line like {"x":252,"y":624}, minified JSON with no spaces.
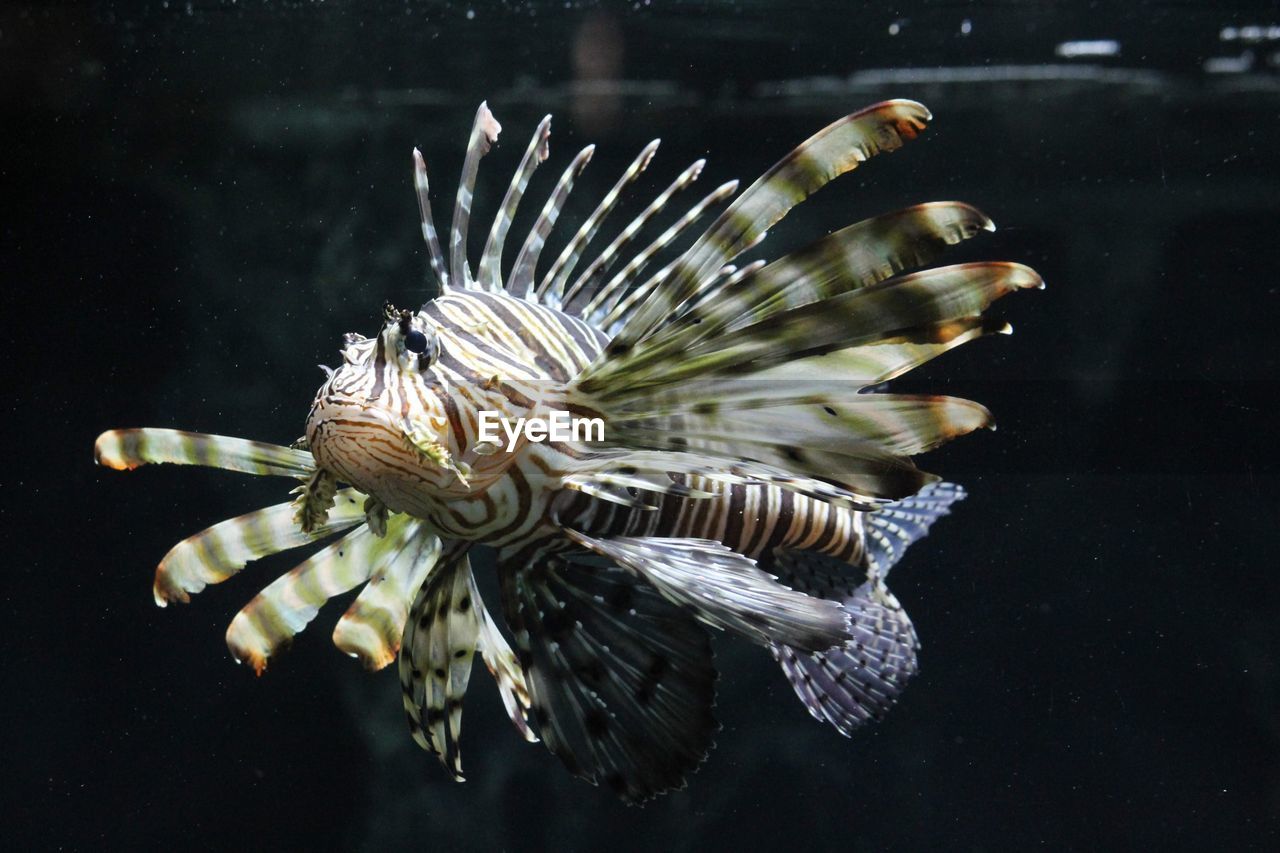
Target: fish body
{"x":743,"y":477}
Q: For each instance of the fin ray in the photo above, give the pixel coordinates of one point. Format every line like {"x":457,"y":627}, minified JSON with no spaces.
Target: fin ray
{"x":218,"y":552}
{"x":551,"y":290}
{"x":523,"y":271}
{"x":422,"y":186}
{"x":126,"y":449}
{"x":484,"y":132}
{"x":490,"y":272}
{"x":586,"y":285}
{"x":291,"y":601}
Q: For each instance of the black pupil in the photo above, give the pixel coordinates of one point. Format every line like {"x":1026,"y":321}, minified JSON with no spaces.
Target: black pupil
{"x":415,"y":341}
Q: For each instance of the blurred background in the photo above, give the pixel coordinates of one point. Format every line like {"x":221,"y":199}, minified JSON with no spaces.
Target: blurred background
{"x":199,"y":198}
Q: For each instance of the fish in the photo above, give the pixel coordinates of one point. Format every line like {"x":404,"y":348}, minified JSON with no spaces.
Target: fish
{"x":749,"y":472}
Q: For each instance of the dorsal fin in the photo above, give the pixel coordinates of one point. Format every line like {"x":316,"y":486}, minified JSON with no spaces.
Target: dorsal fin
{"x":831,"y":152}
{"x":483,"y":134}
{"x":584,"y":286}
{"x":429,"y":235}
{"x":610,"y":296}
{"x":521,"y":281}
{"x":490,"y":273}
{"x":552,"y":287}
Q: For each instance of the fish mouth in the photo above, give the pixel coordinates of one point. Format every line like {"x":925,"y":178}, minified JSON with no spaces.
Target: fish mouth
{"x":377,"y":450}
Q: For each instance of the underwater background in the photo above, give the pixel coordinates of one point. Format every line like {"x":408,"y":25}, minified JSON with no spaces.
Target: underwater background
{"x":199,"y":198}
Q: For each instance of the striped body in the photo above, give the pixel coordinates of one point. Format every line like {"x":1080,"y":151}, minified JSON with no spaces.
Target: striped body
{"x":751,"y":519}
{"x":747,"y":480}
{"x":508,"y":497}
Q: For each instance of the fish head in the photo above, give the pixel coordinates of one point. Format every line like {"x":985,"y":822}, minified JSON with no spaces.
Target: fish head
{"x":380,"y":421}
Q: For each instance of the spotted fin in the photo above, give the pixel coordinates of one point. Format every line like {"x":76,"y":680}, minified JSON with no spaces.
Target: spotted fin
{"x":126,"y":449}
{"x":621,"y":680}
{"x":218,"y":552}
{"x":831,"y":152}
{"x":863,"y":677}
{"x":725,"y":589}
{"x":447,"y":625}
{"x":440,"y":640}
{"x":289,"y":603}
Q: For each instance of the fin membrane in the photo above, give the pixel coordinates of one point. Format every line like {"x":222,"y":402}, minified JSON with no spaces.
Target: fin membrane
{"x":621,"y":680}
{"x":861,"y":679}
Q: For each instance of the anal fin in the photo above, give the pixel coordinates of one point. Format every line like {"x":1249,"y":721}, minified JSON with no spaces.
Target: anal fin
{"x":860,"y":679}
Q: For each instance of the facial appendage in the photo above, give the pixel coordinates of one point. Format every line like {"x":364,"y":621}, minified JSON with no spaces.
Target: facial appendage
{"x":380,"y":423}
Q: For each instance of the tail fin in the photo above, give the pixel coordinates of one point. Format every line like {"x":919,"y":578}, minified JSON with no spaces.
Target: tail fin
{"x":896,"y":525}
{"x":862,"y":678}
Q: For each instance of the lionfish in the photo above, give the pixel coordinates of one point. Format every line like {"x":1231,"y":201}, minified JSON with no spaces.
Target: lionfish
{"x":751,"y":476}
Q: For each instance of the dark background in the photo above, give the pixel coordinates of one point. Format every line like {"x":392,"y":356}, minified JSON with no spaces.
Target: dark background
{"x":199,"y":198}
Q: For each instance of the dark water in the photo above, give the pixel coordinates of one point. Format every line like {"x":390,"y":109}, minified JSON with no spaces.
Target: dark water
{"x":199,"y":198}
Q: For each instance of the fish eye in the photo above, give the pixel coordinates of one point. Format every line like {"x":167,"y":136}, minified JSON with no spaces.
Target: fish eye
{"x":415,"y":342}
